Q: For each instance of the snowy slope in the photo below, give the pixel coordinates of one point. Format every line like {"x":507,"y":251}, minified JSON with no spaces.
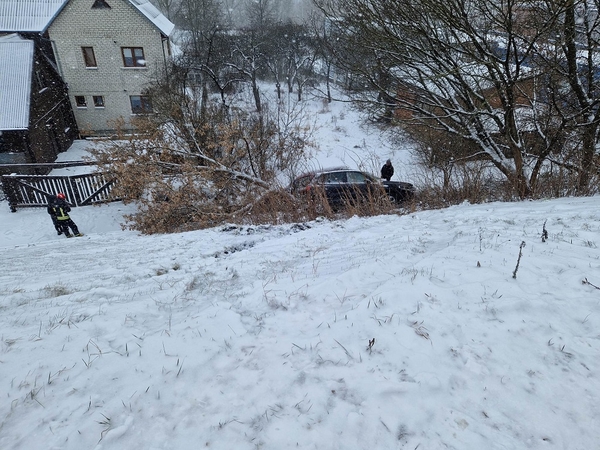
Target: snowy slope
{"x":259,"y":337}
{"x":392,"y":332}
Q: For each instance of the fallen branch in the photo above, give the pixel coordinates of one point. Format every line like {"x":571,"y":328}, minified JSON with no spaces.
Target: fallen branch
{"x":519,"y":259}
{"x":585,"y":281}
{"x":544,"y":232}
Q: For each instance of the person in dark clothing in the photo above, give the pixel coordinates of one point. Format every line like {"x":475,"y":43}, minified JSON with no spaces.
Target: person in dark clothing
{"x":59,"y":211}
{"x":387,"y":171}
{"x":51,"y":203}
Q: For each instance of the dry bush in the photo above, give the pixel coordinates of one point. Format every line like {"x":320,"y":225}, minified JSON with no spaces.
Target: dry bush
{"x":222,"y":170}
{"x":475,"y":183}
{"x":374,"y":203}
{"x":277,"y":207}
{"x":472,"y":182}
{"x":450,"y":171}
{"x":453,"y":170}
{"x":280,"y":207}
{"x":557,"y":181}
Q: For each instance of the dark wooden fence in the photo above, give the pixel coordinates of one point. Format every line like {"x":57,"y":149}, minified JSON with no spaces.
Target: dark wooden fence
{"x":34,"y":190}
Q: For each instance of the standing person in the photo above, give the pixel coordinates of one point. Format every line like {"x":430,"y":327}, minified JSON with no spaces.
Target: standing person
{"x":387,"y":171}
{"x":51,"y":203}
{"x":59,"y":210}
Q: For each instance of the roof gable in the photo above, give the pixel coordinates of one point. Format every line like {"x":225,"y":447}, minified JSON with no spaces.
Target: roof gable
{"x":16,"y":67}
{"x":28,"y":15}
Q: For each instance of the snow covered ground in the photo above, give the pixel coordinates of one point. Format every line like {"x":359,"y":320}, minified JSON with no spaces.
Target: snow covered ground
{"x":392,"y":332}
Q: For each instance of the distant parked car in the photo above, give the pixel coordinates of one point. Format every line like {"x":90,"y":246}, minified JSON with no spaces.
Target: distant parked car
{"x":341,"y":185}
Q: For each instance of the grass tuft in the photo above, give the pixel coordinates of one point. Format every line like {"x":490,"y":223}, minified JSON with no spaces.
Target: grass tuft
{"x":57,"y":290}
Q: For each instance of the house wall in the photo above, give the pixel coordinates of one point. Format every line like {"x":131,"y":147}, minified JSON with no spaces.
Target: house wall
{"x":106,"y":30}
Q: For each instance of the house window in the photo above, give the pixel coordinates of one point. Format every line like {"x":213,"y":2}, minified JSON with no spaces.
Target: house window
{"x":98,"y":101}
{"x":89,"y":58}
{"x":140,"y":104}
{"x":133,"y":57}
{"x":80,"y":101}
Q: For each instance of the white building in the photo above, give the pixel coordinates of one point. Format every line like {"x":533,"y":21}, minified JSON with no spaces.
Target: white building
{"x":107,"y":52}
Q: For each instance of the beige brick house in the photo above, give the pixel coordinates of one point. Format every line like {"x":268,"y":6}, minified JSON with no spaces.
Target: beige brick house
{"x":107,"y":52}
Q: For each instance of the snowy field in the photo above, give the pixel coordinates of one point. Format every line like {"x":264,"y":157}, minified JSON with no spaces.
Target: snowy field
{"x":392,"y":332}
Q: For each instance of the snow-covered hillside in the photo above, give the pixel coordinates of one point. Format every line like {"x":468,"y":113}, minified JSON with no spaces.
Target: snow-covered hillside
{"x":391,"y":332}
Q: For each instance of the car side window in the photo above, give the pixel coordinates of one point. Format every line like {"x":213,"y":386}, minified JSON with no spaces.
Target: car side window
{"x":335,"y":177}
{"x":356,"y":177}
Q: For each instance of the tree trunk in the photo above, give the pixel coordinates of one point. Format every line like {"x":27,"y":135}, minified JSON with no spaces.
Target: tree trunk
{"x":587,"y":156}
{"x":256,"y":94}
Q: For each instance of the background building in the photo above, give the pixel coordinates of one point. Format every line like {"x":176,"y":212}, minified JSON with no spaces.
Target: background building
{"x":36,"y":120}
{"x":107,"y":52}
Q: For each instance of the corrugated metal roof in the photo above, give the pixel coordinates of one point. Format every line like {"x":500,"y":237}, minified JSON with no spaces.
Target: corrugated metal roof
{"x":36,"y":15}
{"x":28,"y":15}
{"x":154,"y":15}
{"x":16,"y":66}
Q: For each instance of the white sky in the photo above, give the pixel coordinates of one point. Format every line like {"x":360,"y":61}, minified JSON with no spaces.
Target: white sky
{"x":258,"y":338}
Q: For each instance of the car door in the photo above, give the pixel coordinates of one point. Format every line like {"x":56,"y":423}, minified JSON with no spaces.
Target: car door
{"x":359,"y":184}
{"x":335,"y":184}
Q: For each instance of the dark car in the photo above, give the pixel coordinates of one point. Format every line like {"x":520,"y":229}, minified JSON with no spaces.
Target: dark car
{"x":341,"y":185}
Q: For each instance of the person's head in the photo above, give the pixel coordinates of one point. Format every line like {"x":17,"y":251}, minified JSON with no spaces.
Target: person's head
{"x":60,"y":196}
{"x":388,"y":162}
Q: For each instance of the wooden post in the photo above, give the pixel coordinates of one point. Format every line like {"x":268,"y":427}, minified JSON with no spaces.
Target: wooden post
{"x":8,"y":186}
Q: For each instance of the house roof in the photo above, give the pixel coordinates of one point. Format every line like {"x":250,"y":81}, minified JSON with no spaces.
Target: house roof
{"x":37,"y":15}
{"x":154,"y":15}
{"x":28,"y":15}
{"x":16,"y":67}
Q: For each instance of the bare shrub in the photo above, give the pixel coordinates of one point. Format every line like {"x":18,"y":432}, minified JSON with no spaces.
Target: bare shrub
{"x":184,"y":174}
{"x":56,"y":290}
{"x":559,"y":181}
{"x":275,"y":208}
{"x":472,"y":182}
{"x":452,"y":170}
{"x":372,"y":203}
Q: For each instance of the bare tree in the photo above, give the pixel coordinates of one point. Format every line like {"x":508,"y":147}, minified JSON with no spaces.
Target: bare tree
{"x":187,"y":170}
{"x":300,"y":56}
{"x":290,"y":54}
{"x":170,"y":8}
{"x":261,"y":14}
{"x":579,"y":42}
{"x":325,"y":57}
{"x":465,"y":68}
{"x":251,"y":43}
{"x":205,"y":49}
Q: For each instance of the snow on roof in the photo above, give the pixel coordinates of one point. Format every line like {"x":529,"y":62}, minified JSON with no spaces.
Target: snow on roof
{"x":28,"y":15}
{"x":154,"y":15}
{"x":16,"y":65}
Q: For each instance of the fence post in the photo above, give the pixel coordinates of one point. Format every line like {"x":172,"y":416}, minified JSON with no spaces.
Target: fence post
{"x":75,"y":189}
{"x":8,"y":186}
